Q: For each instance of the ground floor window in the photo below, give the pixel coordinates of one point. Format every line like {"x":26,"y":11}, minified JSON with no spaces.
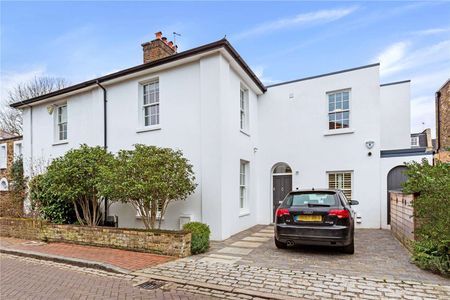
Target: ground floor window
{"x":243,"y":186}
{"x":341,"y":181}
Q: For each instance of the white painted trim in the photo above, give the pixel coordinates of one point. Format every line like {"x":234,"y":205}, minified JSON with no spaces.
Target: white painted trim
{"x":339,"y":131}
{"x":4,"y":163}
{"x":15,"y":147}
{"x":148,"y":128}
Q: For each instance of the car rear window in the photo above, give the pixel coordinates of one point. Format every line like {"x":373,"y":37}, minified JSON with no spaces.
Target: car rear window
{"x":303,"y":199}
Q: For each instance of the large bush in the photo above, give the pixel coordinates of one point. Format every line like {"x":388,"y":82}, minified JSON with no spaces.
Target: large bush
{"x":200,"y":236}
{"x":431,"y":184}
{"x":75,"y":178}
{"x":48,"y":205}
{"x":149,"y":178}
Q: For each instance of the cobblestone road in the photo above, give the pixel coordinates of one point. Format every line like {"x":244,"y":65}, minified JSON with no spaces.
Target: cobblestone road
{"x":27,"y":278}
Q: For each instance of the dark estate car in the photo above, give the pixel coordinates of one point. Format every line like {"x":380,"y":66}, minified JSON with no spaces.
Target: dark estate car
{"x":315,"y":217}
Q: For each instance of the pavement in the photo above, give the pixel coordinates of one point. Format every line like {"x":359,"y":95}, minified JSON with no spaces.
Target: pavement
{"x":116,"y":260}
{"x":249,"y":266}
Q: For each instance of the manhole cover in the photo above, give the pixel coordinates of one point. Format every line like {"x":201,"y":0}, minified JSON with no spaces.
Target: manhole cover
{"x":151,"y":285}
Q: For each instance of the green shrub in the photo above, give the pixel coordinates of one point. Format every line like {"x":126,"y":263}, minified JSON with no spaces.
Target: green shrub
{"x":200,"y":236}
{"x":431,"y":185}
{"x":48,"y":205}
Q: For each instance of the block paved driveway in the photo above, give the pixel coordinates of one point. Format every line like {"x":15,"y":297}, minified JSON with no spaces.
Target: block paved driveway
{"x":377,"y":254}
{"x":250,"y":262}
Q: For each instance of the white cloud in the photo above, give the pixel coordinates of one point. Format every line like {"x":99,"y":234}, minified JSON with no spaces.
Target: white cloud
{"x":9,"y":80}
{"x":427,"y":66}
{"x":259,"y":72}
{"x":431,"y":31}
{"x":391,"y":57}
{"x":317,"y":17}
{"x":397,"y":57}
{"x":422,"y":113}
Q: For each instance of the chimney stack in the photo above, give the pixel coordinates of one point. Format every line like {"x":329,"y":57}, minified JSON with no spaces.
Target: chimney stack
{"x":158,"y":48}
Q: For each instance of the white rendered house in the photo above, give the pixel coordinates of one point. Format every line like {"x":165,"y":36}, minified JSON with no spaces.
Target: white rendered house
{"x":249,"y":143}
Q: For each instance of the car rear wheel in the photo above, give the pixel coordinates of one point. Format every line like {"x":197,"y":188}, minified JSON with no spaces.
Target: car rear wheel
{"x":349,"y":249}
{"x":280,"y":245}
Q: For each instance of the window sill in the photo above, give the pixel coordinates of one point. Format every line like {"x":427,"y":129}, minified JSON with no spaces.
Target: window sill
{"x":148,"y":128}
{"x":244,"y":213}
{"x":60,"y":143}
{"x":339,"y":131}
{"x":244,"y":132}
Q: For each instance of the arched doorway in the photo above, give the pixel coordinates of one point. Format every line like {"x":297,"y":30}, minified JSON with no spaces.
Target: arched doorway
{"x":395,"y":178}
{"x":281,"y":184}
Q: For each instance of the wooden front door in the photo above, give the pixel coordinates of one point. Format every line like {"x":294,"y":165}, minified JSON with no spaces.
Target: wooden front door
{"x":282,"y":184}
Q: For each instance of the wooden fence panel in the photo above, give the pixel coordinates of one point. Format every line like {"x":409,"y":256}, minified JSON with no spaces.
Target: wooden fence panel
{"x":402,"y":217}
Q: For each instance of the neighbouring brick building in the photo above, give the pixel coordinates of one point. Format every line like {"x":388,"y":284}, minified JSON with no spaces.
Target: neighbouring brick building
{"x":443,"y":122}
{"x":10,"y":149}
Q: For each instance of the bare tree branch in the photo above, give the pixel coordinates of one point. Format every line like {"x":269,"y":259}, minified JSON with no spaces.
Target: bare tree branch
{"x":10,"y":118}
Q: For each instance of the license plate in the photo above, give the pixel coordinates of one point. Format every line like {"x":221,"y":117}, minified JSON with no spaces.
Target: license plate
{"x":308,"y":218}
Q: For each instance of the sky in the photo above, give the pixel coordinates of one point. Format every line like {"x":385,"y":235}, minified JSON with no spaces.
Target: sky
{"x":279,"y":40}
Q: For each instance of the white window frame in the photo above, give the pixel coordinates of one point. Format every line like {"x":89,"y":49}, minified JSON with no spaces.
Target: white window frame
{"x":348,"y":192}
{"x":4,"y":159}
{"x":244,"y":179}
{"x":244,"y":110}
{"x":4,"y":185}
{"x":415,"y":141}
{"x":156,"y":103}
{"x":58,"y":123}
{"x":336,"y":111}
{"x":16,"y":147}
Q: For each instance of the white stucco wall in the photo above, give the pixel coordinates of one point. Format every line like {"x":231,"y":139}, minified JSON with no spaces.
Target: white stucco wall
{"x":199,"y":114}
{"x":295,"y":131}
{"x":395,"y":116}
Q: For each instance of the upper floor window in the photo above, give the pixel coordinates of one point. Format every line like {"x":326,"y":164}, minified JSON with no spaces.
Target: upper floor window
{"x":150,"y":103}
{"x":3,"y":156}
{"x":341,"y":181}
{"x":61,"y":123}
{"x":244,"y":107}
{"x":339,"y":110}
{"x":414,"y":141}
{"x":17,"y":150}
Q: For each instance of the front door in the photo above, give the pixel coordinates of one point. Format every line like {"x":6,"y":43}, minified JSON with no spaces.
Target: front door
{"x":282,"y":184}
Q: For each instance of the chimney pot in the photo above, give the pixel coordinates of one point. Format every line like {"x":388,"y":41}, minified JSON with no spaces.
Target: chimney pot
{"x":158,"y":48}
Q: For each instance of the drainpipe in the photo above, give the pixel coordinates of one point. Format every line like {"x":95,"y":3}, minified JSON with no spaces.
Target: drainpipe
{"x":105,"y":136}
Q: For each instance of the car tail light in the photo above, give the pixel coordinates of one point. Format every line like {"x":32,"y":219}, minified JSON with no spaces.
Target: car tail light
{"x":340,"y":213}
{"x":282,"y":212}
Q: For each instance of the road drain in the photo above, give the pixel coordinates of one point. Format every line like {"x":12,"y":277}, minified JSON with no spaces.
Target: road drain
{"x":151,"y":285}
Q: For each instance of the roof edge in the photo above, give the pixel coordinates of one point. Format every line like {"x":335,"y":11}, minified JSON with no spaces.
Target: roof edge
{"x":325,"y":74}
{"x":395,"y":82}
{"x":188,"y":53}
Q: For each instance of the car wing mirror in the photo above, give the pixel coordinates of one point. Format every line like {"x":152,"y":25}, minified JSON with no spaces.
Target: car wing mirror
{"x":353,"y":202}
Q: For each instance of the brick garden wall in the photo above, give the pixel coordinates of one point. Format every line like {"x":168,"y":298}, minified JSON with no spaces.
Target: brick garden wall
{"x":402,"y":217}
{"x":174,"y":243}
